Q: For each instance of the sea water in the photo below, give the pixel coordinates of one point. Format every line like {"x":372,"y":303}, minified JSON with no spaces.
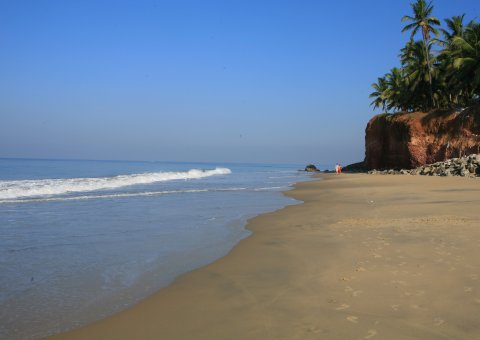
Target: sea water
{"x":81,"y":240}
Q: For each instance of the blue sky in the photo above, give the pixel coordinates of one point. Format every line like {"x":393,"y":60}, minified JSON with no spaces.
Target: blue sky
{"x":226,"y":81}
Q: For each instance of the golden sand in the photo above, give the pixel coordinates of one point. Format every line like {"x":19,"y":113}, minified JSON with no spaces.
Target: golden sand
{"x":384,"y":257}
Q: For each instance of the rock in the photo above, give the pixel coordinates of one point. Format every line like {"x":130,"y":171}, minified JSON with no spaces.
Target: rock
{"x":311,"y":168}
{"x":355,"y":167}
{"x":463,"y":166}
{"x":425,"y":170}
{"x":412,"y":139}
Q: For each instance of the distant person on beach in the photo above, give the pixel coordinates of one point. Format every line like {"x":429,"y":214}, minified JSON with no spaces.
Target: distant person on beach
{"x":337,"y":168}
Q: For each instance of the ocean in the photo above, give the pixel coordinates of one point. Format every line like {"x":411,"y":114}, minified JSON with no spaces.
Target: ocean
{"x":81,"y":240}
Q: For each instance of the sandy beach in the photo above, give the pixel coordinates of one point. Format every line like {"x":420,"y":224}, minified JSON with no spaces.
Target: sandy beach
{"x":365,"y":256}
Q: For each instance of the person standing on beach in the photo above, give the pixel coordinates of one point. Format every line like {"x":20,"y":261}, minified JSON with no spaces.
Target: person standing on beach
{"x":338,"y":168}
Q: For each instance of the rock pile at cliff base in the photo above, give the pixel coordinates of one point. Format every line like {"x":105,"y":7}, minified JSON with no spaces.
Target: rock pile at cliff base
{"x":467,"y":166}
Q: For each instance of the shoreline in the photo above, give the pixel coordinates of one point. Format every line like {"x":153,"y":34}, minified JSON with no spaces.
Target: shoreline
{"x":360,"y":257}
{"x":71,"y":260}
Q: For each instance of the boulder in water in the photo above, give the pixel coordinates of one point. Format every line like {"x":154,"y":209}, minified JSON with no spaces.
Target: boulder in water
{"x":311,"y":168}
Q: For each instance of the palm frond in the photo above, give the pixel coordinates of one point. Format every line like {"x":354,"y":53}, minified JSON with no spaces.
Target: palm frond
{"x":407,"y":17}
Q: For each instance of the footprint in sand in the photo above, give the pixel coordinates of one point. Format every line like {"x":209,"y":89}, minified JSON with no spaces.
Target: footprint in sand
{"x":360,"y":269}
{"x":356,"y":293}
{"x":398,"y":282}
{"x":348,"y":289}
{"x":370,"y":334}
{"x":467,"y":289}
{"x":315,"y":330}
{"x":395,"y":307}
{"x":342,"y":306}
{"x":438,"y":322}
{"x":352,"y":318}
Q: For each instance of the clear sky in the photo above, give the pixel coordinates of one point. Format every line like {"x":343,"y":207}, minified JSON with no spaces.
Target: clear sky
{"x":237,"y":81}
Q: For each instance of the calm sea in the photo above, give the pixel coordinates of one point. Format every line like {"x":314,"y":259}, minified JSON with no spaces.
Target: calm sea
{"x":80,"y":240}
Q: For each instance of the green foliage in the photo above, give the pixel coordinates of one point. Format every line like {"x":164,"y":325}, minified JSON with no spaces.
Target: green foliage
{"x":430,"y":78}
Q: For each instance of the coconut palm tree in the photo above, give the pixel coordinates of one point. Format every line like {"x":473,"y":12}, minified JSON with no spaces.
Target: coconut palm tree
{"x":380,"y":94}
{"x":455,"y":27}
{"x":423,"y":20}
{"x":398,"y":94}
{"x":466,"y":58}
{"x":448,"y":78}
{"x":454,"y":86}
{"x":418,"y":72}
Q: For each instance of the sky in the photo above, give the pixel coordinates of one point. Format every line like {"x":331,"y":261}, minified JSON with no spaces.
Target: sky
{"x":213,"y":81}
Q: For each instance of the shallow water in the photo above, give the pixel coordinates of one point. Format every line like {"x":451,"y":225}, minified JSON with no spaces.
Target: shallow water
{"x":81,"y":240}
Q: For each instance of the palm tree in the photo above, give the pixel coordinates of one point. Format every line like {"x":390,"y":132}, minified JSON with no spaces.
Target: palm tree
{"x":422,"y":20}
{"x":466,"y":58}
{"x":417,"y":71}
{"x":454,"y":94}
{"x":380,"y":94}
{"x":426,"y":79}
{"x":455,"y":26}
{"x":398,"y":94}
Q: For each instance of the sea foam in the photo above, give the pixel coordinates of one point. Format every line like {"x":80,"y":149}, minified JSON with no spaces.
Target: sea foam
{"x":47,"y":187}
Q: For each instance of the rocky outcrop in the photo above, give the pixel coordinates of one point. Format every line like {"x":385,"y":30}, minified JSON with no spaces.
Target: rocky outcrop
{"x":355,"y":167}
{"x":467,"y":166}
{"x":412,"y":139}
{"x":311,"y":168}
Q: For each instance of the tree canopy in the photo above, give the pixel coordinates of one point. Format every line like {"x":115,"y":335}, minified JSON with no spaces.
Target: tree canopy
{"x":434,"y":72}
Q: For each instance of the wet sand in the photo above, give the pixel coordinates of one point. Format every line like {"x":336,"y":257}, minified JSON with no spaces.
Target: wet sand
{"x":366,"y":256}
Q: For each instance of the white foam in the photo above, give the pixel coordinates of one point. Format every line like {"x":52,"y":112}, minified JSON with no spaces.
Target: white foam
{"x":117,"y":195}
{"x":47,"y":187}
{"x":267,"y":188}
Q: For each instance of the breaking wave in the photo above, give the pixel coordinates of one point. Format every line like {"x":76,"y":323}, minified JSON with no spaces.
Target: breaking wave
{"x":47,"y":187}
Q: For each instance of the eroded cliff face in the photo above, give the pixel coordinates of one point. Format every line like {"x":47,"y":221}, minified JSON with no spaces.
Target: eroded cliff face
{"x":412,"y":139}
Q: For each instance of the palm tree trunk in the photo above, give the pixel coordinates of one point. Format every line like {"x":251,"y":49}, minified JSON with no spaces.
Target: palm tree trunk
{"x":427,"y":54}
{"x":430,"y":77}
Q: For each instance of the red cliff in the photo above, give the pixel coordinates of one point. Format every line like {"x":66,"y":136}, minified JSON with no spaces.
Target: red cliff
{"x":411,"y":139}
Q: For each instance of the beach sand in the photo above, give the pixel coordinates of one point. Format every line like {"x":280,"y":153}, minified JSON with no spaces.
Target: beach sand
{"x":366,"y":256}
